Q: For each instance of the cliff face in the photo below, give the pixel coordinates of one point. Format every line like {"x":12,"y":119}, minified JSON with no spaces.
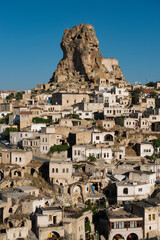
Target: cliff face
{"x":82,"y":59}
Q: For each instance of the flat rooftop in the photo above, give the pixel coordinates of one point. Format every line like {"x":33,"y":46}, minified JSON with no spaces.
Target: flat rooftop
{"x":116,"y":213}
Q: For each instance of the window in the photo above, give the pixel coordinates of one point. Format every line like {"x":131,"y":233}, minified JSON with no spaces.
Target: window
{"x":149,"y":217}
{"x":67,"y":170}
{"x":78,"y":152}
{"x":133,"y":224}
{"x":153,"y":216}
{"x":125,"y":191}
{"x":107,"y":154}
{"x":16,"y":159}
{"x":20,"y":159}
{"x":52,"y":170}
{"x":63,"y":170}
{"x":118,"y":225}
{"x":19,"y":234}
{"x":139,"y":189}
{"x":56,"y":170}
{"x":97,"y":137}
{"x":150,"y":228}
{"x":104,"y":155}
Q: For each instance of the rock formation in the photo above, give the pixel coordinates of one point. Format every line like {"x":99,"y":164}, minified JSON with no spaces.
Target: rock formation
{"x":82,"y":62}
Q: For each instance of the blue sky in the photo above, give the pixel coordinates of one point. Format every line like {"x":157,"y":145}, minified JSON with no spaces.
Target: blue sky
{"x":31,"y":32}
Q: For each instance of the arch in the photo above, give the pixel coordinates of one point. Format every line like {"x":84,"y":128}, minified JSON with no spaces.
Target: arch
{"x":32,"y":171}
{"x":132,"y":236}
{"x":10,"y":224}
{"x":22,"y":224}
{"x":69,"y":191}
{"x":18,"y":173}
{"x":1,"y":175}
{"x":55,"y":235}
{"x":108,"y":138}
{"x":86,"y":219}
{"x":12,"y":184}
{"x":10,"y":210}
{"x":125,"y":191}
{"x":118,"y":237}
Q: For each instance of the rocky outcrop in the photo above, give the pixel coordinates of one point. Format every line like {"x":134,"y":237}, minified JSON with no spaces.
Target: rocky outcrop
{"x":82,"y":61}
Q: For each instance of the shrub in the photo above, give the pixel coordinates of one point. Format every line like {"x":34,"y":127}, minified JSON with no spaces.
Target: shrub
{"x":72,"y":115}
{"x":8,"y":130}
{"x":92,"y":159}
{"x":41,"y":120}
{"x":58,"y":148}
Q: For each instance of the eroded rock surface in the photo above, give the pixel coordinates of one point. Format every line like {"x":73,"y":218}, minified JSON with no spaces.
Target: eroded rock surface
{"x":82,"y":61}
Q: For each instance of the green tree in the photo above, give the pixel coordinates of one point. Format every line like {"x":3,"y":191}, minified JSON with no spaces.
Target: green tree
{"x":18,"y":95}
{"x":150,"y":84}
{"x":156,"y":144}
{"x":121,"y":120}
{"x":136,"y":95}
{"x":8,"y":130}
{"x":153,"y":95}
{"x":10,"y":96}
{"x":5,"y":119}
{"x":92,"y":159}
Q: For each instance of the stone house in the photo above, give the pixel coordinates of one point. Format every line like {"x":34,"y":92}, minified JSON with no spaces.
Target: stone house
{"x":107,"y":123}
{"x":143,"y":177}
{"x":91,"y":106}
{"x":32,"y":143}
{"x":36,"y":111}
{"x":150,"y":213}
{"x":69,"y":99}
{"x":17,"y":137}
{"x":56,"y":117}
{"x":81,"y":136}
{"x":6,"y":107}
{"x":67,"y":122}
{"x":36,"y":127}
{"x":47,"y":140}
{"x":48,"y":221}
{"x":29,"y":190}
{"x":84,"y":114}
{"x":118,"y":223}
{"x":145,"y":149}
{"x":118,"y":151}
{"x":76,"y":226}
{"x":103,"y":137}
{"x":130,"y":191}
{"x":116,"y":111}
{"x":60,"y":172}
{"x":15,"y":156}
{"x":152,"y":167}
{"x":82,"y":152}
{"x":25,"y":119}
{"x":17,"y":233}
